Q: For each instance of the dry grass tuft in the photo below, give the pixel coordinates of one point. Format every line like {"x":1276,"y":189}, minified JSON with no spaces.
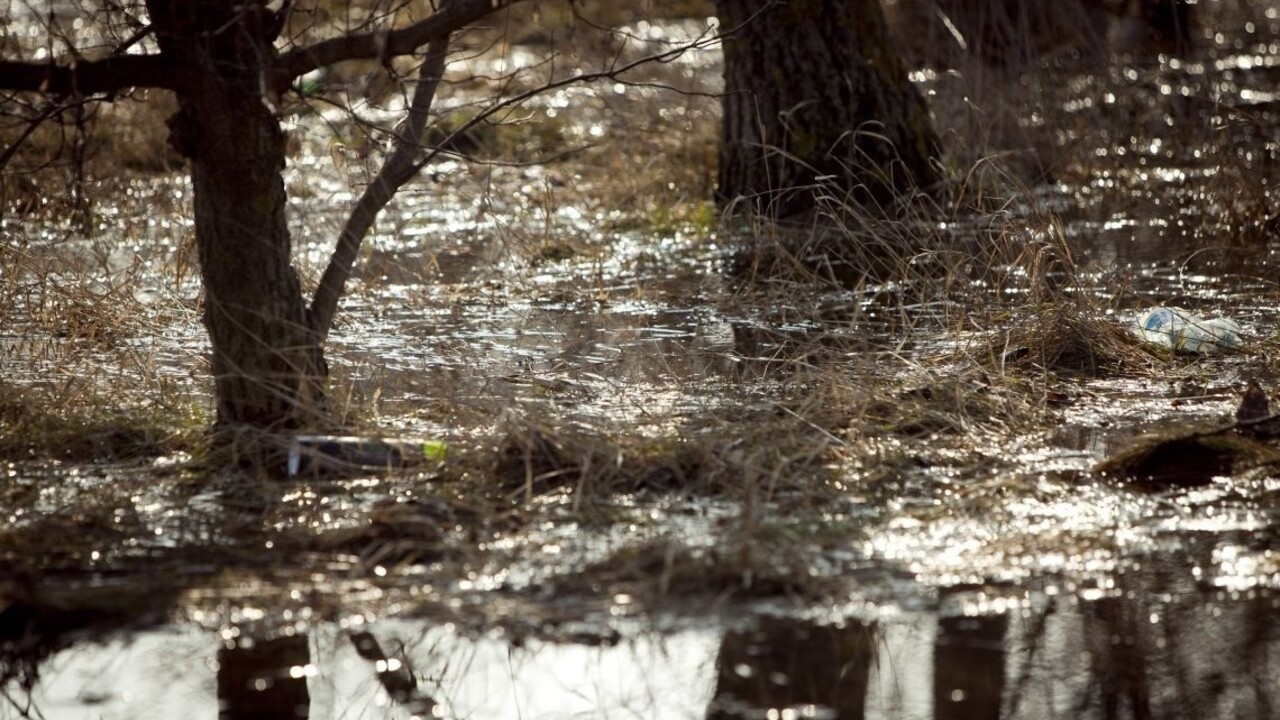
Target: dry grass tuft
{"x":1069,"y":338}
{"x":778,"y":452}
{"x":42,"y":425}
{"x":849,"y":240}
{"x":952,"y":405}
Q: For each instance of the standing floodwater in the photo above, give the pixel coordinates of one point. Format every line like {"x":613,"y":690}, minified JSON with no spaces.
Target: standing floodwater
{"x":599,"y":450}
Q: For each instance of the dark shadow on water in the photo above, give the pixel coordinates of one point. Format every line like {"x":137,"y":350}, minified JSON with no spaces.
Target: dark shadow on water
{"x":35,"y":628}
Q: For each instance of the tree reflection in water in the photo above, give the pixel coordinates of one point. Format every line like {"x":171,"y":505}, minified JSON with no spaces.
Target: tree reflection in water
{"x":264,"y":679}
{"x":1156,"y":644}
{"x":969,"y":667}
{"x":1164,"y":645}
{"x":793,"y":665}
{"x":267,"y":679}
{"x":1152,"y":641}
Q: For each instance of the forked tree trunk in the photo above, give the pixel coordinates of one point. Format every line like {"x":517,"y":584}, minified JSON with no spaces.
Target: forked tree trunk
{"x":815,"y":93}
{"x":267,"y":363}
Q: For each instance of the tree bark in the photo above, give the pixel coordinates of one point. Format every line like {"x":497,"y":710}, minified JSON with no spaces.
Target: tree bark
{"x":815,"y":94}
{"x":268,"y":365}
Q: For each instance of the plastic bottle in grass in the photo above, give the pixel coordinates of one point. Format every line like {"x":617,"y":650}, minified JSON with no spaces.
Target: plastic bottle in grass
{"x":348,"y":454}
{"x":1178,"y":329}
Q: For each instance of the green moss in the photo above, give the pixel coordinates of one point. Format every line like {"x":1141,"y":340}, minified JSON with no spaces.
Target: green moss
{"x":699,"y":217}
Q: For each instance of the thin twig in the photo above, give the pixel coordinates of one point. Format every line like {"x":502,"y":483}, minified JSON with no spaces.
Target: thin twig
{"x":395,"y":172}
{"x":31,"y":128}
{"x":401,"y":167}
{"x":610,"y":74}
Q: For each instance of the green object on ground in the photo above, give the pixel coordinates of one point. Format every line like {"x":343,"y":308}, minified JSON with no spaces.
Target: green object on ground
{"x":435,"y":449}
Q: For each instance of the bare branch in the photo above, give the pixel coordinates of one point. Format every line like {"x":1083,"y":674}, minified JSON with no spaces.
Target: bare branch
{"x":106,"y":76}
{"x":613,"y":73}
{"x":404,"y":162}
{"x":383,"y":44}
{"x":32,"y":126}
{"x":395,"y":172}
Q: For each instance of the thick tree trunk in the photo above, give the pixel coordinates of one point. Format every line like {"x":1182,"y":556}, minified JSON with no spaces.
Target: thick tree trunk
{"x":815,"y":93}
{"x":267,"y":362}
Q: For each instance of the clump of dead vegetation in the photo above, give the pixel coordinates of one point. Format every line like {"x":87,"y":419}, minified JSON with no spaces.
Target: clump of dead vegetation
{"x":80,"y":386}
{"x":1196,"y":454}
{"x":769,"y":452}
{"x":1069,"y":339}
{"x":1188,"y":457}
{"x":747,"y":567}
{"x":72,"y":424}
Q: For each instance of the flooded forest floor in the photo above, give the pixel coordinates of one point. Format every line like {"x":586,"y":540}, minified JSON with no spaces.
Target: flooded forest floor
{"x":682,"y":465}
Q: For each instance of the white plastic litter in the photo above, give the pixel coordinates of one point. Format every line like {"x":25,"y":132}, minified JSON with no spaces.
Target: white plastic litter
{"x":1178,"y":329}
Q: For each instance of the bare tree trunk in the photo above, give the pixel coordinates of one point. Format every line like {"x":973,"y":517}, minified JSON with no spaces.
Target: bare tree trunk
{"x":267,"y":362}
{"x":815,"y":92}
